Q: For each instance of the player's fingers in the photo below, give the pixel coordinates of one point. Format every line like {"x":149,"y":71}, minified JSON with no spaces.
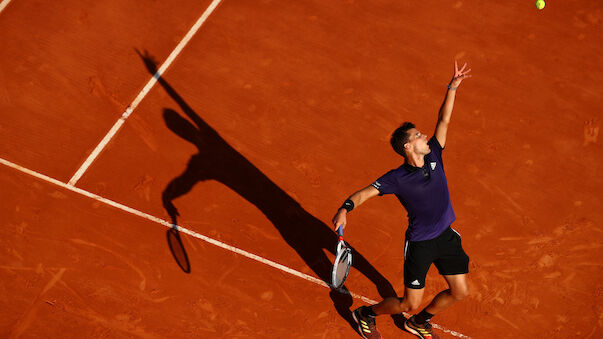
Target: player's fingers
{"x":462,"y":68}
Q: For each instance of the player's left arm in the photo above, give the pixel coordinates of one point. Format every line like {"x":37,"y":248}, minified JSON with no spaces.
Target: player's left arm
{"x":446,"y":109}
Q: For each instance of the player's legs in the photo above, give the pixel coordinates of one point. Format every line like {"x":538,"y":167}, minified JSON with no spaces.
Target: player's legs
{"x":365,"y":315}
{"x":453,"y":265}
{"x":412,"y":300}
{"x":417,"y":259}
{"x":418,"y":256}
{"x":419,"y":324}
{"x":458,"y":291}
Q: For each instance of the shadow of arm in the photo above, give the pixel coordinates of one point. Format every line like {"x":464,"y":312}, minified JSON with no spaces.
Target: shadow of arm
{"x":151,"y":65}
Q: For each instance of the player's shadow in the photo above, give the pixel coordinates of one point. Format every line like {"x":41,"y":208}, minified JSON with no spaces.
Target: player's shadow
{"x":217,"y":160}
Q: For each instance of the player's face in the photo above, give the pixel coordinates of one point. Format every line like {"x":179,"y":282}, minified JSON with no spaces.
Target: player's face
{"x":418,"y":141}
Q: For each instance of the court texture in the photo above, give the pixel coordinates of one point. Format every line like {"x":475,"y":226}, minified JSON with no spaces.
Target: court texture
{"x":169,"y":169}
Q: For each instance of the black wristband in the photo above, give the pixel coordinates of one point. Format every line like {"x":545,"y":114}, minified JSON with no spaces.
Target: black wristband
{"x":348,"y":205}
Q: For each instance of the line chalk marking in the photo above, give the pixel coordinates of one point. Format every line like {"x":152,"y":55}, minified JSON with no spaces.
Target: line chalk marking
{"x":199,"y":236}
{"x":3,"y":5}
{"x":78,"y":174}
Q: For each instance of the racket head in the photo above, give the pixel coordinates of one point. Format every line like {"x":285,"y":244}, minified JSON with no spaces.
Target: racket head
{"x":341,"y":267}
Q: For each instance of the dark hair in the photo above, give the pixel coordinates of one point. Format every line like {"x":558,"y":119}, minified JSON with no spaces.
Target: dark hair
{"x":400,"y":137}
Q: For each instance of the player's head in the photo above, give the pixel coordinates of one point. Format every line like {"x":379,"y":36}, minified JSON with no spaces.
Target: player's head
{"x":407,"y":139}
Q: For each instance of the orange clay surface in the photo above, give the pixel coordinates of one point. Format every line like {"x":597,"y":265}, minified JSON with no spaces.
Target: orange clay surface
{"x":270,"y":117}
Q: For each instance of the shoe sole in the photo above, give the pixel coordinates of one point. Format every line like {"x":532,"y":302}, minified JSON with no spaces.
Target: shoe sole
{"x":413,"y":331}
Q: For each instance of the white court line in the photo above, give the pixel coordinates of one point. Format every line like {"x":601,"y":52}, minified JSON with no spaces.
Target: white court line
{"x":78,"y":174}
{"x":170,"y":225}
{"x":197,"y":235}
{"x":3,"y":4}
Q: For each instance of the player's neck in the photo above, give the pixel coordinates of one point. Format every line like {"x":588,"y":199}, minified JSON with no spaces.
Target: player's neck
{"x":416,"y":160}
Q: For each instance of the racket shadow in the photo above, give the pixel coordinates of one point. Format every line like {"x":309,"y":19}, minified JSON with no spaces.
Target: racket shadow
{"x":217,"y":160}
{"x":177,"y":249}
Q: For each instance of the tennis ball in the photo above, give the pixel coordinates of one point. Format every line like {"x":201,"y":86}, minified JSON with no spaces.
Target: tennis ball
{"x":540,"y":4}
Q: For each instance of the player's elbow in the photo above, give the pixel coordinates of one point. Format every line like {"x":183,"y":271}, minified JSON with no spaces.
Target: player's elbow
{"x":443,"y":121}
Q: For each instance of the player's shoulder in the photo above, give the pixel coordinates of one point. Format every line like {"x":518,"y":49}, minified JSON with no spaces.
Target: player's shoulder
{"x":400,"y":173}
{"x":400,"y":170}
{"x":393,"y":174}
{"x":388,"y":182}
{"x":433,"y":142}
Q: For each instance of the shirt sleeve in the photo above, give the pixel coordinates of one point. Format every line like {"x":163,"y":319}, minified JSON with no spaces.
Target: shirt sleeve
{"x":386,"y":184}
{"x":435,"y":146}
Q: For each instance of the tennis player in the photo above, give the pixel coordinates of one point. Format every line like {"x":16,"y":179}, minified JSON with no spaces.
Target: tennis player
{"x":420,"y":185}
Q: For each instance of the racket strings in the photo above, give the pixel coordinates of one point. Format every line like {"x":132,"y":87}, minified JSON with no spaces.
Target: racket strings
{"x":342,"y":267}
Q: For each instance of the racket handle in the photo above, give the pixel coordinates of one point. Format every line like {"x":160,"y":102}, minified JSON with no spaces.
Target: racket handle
{"x":340,"y":232}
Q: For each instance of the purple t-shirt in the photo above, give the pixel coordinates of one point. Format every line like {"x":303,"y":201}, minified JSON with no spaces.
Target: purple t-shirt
{"x":424,"y":194}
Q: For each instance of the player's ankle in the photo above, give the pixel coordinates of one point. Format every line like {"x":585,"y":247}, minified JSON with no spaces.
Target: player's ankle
{"x":423,"y":317}
{"x":368,"y":311}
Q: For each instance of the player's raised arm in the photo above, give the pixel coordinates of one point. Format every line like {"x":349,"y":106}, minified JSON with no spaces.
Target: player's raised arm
{"x":446,"y":109}
{"x":355,"y":200}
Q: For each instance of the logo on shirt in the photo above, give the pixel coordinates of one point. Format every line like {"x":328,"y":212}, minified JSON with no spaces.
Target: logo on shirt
{"x":433,"y":165}
{"x":415,"y":283}
{"x":377,"y":184}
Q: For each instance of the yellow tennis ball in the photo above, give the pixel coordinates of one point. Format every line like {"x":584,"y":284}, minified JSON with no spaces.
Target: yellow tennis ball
{"x":540,"y":4}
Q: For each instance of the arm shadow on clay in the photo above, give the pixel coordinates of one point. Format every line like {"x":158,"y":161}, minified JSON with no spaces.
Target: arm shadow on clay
{"x":217,"y":160}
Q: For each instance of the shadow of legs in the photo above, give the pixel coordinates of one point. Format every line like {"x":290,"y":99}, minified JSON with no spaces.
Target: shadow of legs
{"x":343,"y":302}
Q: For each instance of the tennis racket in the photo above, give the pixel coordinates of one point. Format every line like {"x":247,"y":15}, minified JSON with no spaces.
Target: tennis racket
{"x":343,"y":262}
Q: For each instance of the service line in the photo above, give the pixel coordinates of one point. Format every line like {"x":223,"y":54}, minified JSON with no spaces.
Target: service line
{"x":84,"y":167}
{"x":198,"y":236}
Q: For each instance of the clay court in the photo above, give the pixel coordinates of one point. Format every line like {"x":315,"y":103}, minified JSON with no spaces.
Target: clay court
{"x":247,"y":123}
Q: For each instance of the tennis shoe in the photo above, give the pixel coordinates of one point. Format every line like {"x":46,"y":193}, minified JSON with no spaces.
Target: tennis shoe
{"x":367,"y":326}
{"x":423,"y":331}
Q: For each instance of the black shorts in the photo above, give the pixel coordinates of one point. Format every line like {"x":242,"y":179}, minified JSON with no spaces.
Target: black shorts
{"x":445,"y":252}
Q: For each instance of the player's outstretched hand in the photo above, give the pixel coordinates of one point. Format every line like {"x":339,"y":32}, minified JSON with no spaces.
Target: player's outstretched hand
{"x":459,"y":74}
{"x":149,"y":61}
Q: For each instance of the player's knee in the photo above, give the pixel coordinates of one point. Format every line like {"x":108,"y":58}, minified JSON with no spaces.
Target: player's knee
{"x":460,"y":293}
